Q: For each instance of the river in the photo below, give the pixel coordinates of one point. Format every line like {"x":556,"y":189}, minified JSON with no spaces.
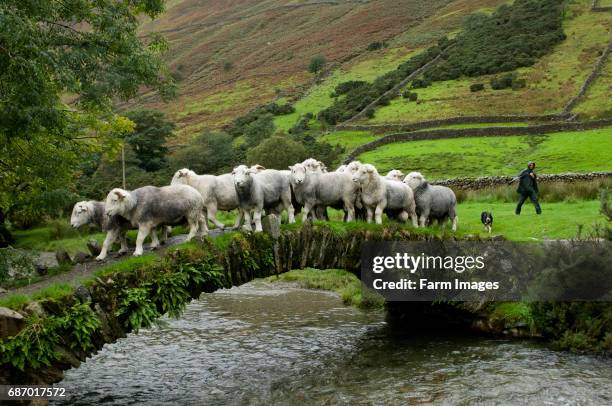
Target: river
{"x":267,"y":343}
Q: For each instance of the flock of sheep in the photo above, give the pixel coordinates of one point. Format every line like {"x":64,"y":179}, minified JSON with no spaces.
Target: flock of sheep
{"x":356,"y":188}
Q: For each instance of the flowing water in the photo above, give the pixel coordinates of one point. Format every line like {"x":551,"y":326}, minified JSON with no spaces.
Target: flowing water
{"x":276,"y":344}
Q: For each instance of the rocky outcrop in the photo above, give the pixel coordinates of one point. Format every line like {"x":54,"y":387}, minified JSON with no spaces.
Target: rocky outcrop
{"x":11,"y":322}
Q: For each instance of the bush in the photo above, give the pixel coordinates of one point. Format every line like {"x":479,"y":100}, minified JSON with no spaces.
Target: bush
{"x":410,"y":95}
{"x":346,"y":87}
{"x":317,"y":64}
{"x":369,"y":113}
{"x":502,"y":82}
{"x":374,"y":46}
{"x":477,"y":87}
{"x":277,"y":152}
{"x":420,"y":83}
{"x":384,"y":101}
{"x":518,"y":84}
{"x":209,"y":152}
{"x":513,"y":36}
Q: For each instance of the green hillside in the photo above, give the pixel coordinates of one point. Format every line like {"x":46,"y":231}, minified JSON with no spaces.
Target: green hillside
{"x":579,"y":151}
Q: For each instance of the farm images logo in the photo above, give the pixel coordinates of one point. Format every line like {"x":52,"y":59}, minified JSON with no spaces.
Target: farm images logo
{"x":494,"y":270}
{"x":422,"y":262}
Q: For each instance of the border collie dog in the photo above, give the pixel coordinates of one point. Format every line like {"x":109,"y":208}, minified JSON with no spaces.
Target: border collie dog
{"x":487,"y":220}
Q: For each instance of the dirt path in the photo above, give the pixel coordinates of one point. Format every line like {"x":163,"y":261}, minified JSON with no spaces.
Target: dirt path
{"x":79,"y":271}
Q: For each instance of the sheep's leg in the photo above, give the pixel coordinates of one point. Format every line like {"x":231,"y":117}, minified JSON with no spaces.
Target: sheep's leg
{"x":350,"y":213}
{"x":455,"y":220}
{"x":143,"y":232}
{"x":203,"y":225}
{"x":154,"y":239}
{"x":288,"y":206}
{"x":370,"y":214}
{"x":194,"y":222}
{"x":212,"y":215}
{"x":238,"y":219}
{"x":423,"y":220}
{"x":306,"y":211}
{"x":257,"y":218}
{"x":111,"y":235}
{"x":165,"y":233}
{"x":378,"y":214}
{"x":124,"y":245}
{"x":247,"y":220}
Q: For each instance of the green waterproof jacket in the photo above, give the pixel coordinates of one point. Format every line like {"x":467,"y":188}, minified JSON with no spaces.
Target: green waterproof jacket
{"x":527,"y":184}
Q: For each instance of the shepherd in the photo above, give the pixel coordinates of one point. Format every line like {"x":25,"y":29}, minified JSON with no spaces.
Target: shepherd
{"x":528,"y":188}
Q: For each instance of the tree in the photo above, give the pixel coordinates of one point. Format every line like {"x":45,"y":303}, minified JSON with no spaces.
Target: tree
{"x":277,"y":152}
{"x":210,"y":152}
{"x":62,"y":65}
{"x":149,"y":138}
{"x":259,"y":130}
{"x":316,"y":64}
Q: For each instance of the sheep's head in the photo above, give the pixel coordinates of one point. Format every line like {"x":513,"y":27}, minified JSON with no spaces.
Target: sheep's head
{"x":182,"y":176}
{"x":82,"y":213}
{"x":395,"y":174}
{"x":118,"y":202}
{"x":242,"y":175}
{"x":312,"y":165}
{"x":364,"y":174}
{"x":353,"y":167}
{"x":256,"y":168}
{"x":414,"y":179}
{"x":298,"y":173}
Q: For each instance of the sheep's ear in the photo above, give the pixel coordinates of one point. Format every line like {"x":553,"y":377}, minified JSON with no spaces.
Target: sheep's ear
{"x":120,"y":194}
{"x":290,"y":167}
{"x":370,"y":169}
{"x":259,"y":167}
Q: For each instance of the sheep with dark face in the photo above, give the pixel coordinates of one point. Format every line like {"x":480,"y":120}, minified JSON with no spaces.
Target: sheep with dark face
{"x":332,"y":189}
{"x":91,"y":212}
{"x":149,"y":207}
{"x":218,"y":192}
{"x":266,"y":189}
{"x":433,"y":202}
{"x":380,"y":195}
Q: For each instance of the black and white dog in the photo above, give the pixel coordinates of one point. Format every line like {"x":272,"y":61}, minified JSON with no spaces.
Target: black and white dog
{"x":487,"y":220}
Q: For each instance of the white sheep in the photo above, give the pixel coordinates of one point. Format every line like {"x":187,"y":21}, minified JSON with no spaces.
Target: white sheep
{"x":395,"y":174}
{"x":379,"y":194}
{"x":332,"y":189}
{"x":149,"y":207}
{"x":266,"y":189}
{"x":218,"y":192}
{"x":433,"y":202}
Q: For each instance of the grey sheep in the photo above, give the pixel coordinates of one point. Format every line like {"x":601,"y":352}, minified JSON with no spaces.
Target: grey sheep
{"x":333,"y":189}
{"x":149,"y":207}
{"x":91,"y":212}
{"x":433,"y":202}
{"x":260,"y":190}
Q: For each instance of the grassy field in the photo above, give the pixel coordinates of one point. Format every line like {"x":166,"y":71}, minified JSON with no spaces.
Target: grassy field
{"x":318,"y":97}
{"x":551,"y":82}
{"x":582,"y":151}
{"x":593,"y":104}
{"x":42,"y":239}
{"x":349,"y":139}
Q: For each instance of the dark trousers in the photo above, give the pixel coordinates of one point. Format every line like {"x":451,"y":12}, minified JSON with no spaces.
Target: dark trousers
{"x":534,"y":199}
